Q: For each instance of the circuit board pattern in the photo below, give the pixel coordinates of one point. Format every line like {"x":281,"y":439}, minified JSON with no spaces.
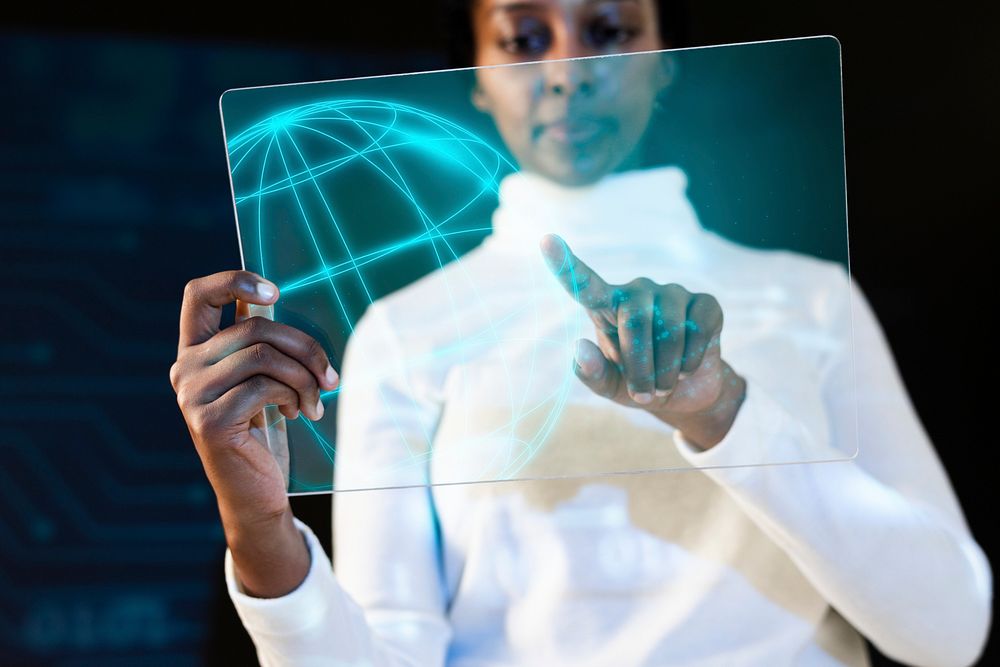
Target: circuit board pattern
{"x":116,"y":193}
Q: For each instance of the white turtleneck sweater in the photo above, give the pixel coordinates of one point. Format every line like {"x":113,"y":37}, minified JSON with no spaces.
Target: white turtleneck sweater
{"x":720,"y":564}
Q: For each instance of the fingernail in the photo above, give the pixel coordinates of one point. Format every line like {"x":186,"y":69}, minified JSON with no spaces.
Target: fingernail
{"x":587,"y":362}
{"x":319,"y":409}
{"x":662,"y":392}
{"x":643,"y":398}
{"x":266,"y":291}
{"x":331,"y":375}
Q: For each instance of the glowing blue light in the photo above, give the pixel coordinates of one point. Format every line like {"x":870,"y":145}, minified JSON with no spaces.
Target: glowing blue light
{"x":286,"y":169}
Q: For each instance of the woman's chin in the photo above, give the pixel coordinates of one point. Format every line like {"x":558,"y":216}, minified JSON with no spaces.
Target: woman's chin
{"x":580,"y":171}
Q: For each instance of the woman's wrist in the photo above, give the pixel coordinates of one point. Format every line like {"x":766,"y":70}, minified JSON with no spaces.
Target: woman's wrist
{"x":707,"y":428}
{"x":271,"y":558}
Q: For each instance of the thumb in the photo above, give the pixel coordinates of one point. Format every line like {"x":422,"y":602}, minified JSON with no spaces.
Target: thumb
{"x":596,"y":371}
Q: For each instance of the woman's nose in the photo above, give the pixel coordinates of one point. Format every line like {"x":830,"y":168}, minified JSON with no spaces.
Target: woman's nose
{"x":569,"y":77}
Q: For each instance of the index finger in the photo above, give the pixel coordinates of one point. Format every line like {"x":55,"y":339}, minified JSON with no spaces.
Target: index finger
{"x":581,"y":281}
{"x":201,"y":310}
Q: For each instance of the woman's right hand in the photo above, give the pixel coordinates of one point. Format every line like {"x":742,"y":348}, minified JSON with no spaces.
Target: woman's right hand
{"x":223,"y":380}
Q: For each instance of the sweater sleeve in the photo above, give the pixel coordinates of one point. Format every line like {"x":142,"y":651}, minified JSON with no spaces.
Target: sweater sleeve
{"x":320,"y":623}
{"x":882,"y":537}
{"x":380,"y":602}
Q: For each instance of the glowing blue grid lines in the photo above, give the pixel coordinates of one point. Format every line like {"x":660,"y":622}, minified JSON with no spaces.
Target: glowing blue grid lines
{"x":285,"y":170}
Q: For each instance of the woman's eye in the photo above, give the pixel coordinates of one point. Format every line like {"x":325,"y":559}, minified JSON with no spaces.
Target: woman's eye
{"x":602,"y":34}
{"x":530,"y":37}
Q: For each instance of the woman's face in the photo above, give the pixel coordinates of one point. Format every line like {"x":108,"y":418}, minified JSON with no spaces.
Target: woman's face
{"x":571,"y":121}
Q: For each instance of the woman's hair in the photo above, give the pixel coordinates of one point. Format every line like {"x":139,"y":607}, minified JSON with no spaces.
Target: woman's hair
{"x":672,"y":24}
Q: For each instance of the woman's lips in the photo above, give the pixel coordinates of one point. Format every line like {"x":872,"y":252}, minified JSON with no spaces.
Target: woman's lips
{"x":576,"y":131}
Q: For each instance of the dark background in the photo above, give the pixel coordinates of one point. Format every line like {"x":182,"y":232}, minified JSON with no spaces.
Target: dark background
{"x":114,"y":193}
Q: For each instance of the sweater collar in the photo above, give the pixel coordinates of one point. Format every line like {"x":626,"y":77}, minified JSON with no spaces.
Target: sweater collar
{"x":642,"y":208}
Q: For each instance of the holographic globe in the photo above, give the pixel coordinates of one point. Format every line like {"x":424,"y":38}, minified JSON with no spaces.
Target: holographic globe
{"x":344,"y":202}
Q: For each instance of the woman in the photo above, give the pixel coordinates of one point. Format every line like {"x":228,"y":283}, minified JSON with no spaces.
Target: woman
{"x":741,"y":566}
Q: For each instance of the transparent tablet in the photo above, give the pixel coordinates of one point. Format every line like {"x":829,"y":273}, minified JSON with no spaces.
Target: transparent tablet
{"x":450,"y":237}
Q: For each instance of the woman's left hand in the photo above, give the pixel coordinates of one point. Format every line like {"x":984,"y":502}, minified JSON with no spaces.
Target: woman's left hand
{"x":657,"y":348}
